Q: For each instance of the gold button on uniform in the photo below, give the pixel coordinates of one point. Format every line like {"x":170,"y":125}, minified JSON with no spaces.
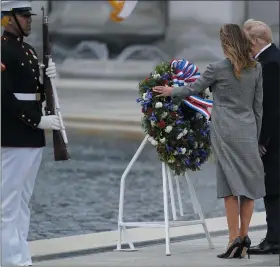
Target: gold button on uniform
{"x":26,"y":53}
{"x":22,"y":64}
{"x":33,"y":70}
{"x":30,"y":61}
{"x":23,"y":116}
{"x":28,"y":120}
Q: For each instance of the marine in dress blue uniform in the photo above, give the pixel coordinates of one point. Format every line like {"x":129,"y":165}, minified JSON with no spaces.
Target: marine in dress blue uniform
{"x":22,"y":131}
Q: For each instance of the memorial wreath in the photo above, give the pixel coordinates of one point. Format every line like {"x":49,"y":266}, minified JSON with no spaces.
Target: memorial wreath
{"x":179,"y":130}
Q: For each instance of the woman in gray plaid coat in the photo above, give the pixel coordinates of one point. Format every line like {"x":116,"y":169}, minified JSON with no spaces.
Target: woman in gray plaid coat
{"x":236,"y":120}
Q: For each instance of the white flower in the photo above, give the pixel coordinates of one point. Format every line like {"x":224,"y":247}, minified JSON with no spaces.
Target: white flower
{"x":197,"y":160}
{"x":190,"y":151}
{"x":158,"y":105}
{"x":150,"y":139}
{"x":164,"y":115}
{"x":154,"y":142}
{"x":179,"y":136}
{"x":201,"y":145}
{"x":171,"y":160}
{"x":175,"y":153}
{"x":156,"y":75}
{"x":175,"y":107}
{"x":162,"y":140}
{"x":195,"y":144}
{"x":153,"y":123}
{"x":199,"y":116}
{"x":168,"y":129}
{"x":145,"y":96}
{"x":185,"y":131}
{"x":183,"y":151}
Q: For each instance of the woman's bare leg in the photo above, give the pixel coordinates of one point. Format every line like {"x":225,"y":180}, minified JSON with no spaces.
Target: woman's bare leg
{"x":246,"y":211}
{"x":232,"y":213}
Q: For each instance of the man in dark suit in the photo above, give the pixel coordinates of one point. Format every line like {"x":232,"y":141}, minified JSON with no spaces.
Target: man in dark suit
{"x":22,"y":131}
{"x":265,"y":51}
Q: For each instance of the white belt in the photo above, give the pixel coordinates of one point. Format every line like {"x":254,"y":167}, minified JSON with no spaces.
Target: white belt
{"x":26,"y":97}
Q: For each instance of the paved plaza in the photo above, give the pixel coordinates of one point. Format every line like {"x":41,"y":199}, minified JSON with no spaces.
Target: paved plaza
{"x":187,"y":253}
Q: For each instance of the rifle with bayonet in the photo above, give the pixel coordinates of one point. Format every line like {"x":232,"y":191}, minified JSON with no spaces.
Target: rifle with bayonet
{"x":52,"y":102}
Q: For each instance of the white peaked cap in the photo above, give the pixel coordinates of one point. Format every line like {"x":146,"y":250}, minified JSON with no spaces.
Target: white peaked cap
{"x":8,"y":5}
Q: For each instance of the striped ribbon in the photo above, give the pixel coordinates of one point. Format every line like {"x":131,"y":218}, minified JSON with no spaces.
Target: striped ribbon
{"x":186,"y":72}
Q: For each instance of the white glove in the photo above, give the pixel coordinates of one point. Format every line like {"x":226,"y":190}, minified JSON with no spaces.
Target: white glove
{"x":49,"y":122}
{"x":51,"y":69}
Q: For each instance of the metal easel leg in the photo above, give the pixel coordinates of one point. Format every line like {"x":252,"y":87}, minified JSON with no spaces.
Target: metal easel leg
{"x":121,"y":228}
{"x":166,"y":215}
{"x":172,"y":199}
{"x":179,"y":196}
{"x":198,"y":210}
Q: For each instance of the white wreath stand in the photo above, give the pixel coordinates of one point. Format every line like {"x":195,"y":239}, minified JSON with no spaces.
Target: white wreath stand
{"x":166,"y":224}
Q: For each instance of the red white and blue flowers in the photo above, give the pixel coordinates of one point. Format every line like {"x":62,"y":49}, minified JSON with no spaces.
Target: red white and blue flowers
{"x":179,"y":131}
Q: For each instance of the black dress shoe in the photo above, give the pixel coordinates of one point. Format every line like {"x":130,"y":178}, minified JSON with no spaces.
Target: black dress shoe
{"x":265,"y":248}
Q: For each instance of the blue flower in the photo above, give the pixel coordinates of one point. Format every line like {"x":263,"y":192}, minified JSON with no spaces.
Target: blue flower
{"x":153,"y":117}
{"x":202,"y":153}
{"x":168,"y":148}
{"x":190,"y":138}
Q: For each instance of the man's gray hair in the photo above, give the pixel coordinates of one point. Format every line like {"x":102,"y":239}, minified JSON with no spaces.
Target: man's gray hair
{"x":258,"y":30}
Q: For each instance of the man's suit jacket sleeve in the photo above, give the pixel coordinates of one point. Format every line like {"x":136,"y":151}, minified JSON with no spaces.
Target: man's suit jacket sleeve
{"x":258,"y":102}
{"x":202,"y":83}
{"x":271,"y":78}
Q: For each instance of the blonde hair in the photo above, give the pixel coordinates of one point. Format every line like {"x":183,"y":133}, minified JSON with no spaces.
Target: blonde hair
{"x":237,"y":48}
{"x":258,"y":31}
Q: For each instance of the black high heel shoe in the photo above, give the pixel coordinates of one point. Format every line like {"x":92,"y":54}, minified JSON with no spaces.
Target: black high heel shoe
{"x":244,"y":249}
{"x":232,"y":249}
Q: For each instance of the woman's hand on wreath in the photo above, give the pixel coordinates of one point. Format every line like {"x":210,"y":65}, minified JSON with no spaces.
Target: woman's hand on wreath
{"x":163,"y":90}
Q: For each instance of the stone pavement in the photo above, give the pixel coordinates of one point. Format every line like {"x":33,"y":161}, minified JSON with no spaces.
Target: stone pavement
{"x":186,"y":253}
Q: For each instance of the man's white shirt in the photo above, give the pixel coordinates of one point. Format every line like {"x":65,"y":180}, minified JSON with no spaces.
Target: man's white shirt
{"x":267,"y":46}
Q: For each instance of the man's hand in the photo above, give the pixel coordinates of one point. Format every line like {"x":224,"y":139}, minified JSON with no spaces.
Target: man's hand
{"x":50,"y":70}
{"x":49,"y":122}
{"x":262,"y":150}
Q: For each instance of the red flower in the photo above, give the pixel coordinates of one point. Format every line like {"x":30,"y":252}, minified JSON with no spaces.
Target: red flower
{"x":143,"y":111}
{"x":173,"y":114}
{"x":161,"y":124}
{"x":147,"y":78}
{"x":149,"y":111}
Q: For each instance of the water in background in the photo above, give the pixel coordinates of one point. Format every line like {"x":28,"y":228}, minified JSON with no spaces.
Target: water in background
{"x":81,"y":196}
